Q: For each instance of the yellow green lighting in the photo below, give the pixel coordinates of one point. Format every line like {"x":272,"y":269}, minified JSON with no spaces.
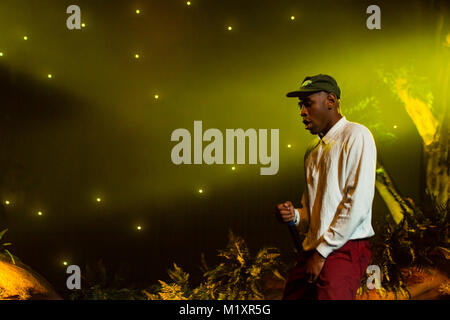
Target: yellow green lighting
{"x":418,"y":110}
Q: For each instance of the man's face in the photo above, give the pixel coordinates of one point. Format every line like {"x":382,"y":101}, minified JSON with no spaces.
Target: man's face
{"x":315,"y":112}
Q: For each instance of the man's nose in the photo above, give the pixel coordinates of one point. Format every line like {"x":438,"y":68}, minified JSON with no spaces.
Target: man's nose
{"x":303,"y":112}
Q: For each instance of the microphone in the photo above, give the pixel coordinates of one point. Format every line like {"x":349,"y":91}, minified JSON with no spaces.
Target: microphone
{"x":295,"y":236}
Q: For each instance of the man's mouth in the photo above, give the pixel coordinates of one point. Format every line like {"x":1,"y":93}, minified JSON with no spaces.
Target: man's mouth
{"x":308,"y":124}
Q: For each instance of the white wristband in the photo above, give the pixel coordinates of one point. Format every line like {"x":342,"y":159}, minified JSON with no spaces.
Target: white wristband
{"x":296,"y":217}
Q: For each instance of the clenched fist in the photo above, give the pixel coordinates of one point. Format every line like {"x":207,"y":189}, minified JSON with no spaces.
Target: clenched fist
{"x":285,"y":211}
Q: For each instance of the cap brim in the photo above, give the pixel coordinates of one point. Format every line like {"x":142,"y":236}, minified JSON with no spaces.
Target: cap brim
{"x":302,"y":93}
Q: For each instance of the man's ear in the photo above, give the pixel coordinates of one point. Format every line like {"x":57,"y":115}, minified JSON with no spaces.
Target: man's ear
{"x":331,"y":100}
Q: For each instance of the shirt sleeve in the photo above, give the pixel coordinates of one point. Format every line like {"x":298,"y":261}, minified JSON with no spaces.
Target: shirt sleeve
{"x":359,"y":190}
{"x":301,"y":216}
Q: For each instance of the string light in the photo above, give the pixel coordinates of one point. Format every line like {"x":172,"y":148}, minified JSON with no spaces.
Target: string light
{"x":39,"y":213}
{"x":230,"y":28}
{"x":156,"y":96}
{"x":7,"y":202}
{"x":289,"y":146}
{"x":395,"y":126}
{"x":83,"y":25}
{"x":200,"y":190}
{"x":49,"y":76}
{"x":98,"y":199}
{"x":138,"y":11}
{"x":233,"y":168}
{"x":65,"y":263}
{"x":25,"y":38}
{"x":1,"y":54}
{"x":292,"y":18}
{"x":136,"y":56}
{"x":188,"y":3}
{"x":139,"y":227}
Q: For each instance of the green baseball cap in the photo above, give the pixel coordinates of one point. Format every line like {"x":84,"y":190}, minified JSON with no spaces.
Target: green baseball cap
{"x":320,"y":82}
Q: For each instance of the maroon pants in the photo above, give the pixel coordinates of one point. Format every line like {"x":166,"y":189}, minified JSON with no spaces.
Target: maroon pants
{"x":339,"y":279}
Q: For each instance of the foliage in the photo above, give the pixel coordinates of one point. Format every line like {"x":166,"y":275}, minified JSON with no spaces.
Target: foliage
{"x":4,"y":245}
{"x":444,"y":288}
{"x":418,"y":86}
{"x":368,"y":112}
{"x":239,"y":277}
{"x":99,"y":285}
{"x":420,"y":240}
{"x":177,"y":290}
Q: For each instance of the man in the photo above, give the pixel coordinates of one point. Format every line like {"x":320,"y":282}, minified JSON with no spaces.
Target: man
{"x":336,"y":206}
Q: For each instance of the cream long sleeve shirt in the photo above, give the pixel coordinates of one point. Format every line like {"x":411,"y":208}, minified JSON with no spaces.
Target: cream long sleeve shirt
{"x":340,"y":186}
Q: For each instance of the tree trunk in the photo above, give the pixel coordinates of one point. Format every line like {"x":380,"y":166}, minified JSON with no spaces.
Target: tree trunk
{"x":394,"y":201}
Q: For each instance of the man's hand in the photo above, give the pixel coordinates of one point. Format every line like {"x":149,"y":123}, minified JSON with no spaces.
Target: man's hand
{"x":314,"y":266}
{"x":285,"y":211}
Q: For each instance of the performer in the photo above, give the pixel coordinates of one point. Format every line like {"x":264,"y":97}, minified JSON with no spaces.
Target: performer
{"x":336,"y":206}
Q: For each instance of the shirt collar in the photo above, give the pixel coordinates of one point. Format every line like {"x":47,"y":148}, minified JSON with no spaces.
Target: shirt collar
{"x":333,"y":130}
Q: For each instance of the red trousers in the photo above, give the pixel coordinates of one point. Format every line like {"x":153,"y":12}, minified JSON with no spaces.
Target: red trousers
{"x":339,"y":279}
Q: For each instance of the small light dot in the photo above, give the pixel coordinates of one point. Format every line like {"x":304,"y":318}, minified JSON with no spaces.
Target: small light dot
{"x":25,"y":38}
{"x":292,"y":18}
{"x":289,"y":146}
{"x":233,"y":168}
{"x":49,"y":76}
{"x":395,"y":126}
{"x":99,"y":199}
{"x":1,"y":54}
{"x":83,"y":25}
{"x":200,"y":190}
{"x":39,"y":213}
{"x":136,"y":56}
{"x":139,"y":227}
{"x":65,"y":263}
{"x":138,"y":11}
{"x":230,"y":28}
{"x":188,"y":3}
{"x":7,"y":202}
{"x":156,"y":96}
